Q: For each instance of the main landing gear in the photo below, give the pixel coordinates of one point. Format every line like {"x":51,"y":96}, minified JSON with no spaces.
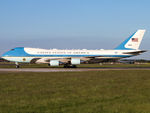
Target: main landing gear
{"x":17,"y":65}
{"x":69,"y":66}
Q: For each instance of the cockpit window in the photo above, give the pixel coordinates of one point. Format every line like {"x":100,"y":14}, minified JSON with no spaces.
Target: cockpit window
{"x":11,"y":49}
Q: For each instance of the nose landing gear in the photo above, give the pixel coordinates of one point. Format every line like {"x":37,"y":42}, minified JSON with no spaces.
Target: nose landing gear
{"x":17,"y":65}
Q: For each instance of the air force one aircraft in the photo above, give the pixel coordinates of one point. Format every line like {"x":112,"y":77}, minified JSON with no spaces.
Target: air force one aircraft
{"x":70,"y":58}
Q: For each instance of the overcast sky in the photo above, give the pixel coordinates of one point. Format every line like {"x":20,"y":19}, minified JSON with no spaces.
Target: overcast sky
{"x":72,"y":24}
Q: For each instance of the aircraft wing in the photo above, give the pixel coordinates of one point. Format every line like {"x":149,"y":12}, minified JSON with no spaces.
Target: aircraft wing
{"x":33,"y":61}
{"x":68,"y":59}
{"x":46,"y":60}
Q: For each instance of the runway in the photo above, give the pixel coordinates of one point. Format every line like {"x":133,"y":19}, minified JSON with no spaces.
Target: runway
{"x":67,"y":69}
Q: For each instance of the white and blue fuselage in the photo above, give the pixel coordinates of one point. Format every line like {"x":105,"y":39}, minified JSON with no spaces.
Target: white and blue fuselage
{"x":54,"y":57}
{"x":22,"y":54}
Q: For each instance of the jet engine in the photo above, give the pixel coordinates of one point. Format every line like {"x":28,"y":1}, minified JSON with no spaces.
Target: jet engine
{"x":54,"y":62}
{"x":75,"y":61}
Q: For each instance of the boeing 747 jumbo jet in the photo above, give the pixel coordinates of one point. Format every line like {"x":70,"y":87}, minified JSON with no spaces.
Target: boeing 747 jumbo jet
{"x":70,"y":58}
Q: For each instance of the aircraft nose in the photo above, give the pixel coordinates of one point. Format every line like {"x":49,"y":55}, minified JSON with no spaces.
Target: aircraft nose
{"x":5,"y":54}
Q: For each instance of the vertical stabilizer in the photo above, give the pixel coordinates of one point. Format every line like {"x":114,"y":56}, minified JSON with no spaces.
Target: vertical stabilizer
{"x":133,"y":42}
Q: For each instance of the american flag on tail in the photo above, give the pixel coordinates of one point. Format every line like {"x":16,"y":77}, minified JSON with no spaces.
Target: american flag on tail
{"x":134,"y":39}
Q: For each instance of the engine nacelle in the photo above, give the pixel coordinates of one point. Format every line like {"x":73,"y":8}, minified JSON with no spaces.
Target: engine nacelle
{"x":75,"y":61}
{"x":54,"y":63}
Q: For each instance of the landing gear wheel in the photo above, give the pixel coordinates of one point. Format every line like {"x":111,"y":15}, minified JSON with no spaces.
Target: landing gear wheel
{"x":66,"y":66}
{"x":74,"y":66}
{"x":17,"y":66}
{"x":70,"y":66}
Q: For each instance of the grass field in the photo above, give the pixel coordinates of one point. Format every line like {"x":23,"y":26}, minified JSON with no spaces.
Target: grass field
{"x":117,"y":91}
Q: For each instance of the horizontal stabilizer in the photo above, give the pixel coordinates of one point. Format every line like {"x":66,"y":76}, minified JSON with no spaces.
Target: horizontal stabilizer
{"x":135,"y":52}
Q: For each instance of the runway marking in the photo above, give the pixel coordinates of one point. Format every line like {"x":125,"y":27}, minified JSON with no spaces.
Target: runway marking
{"x":65,"y":70}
